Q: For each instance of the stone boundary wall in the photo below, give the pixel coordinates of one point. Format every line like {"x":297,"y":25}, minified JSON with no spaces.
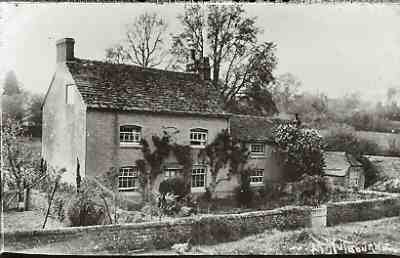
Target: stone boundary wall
{"x":362,"y":210}
{"x":155,"y":235}
{"x":205,"y":229}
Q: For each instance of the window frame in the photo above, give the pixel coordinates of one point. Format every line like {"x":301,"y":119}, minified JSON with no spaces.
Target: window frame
{"x":257,"y":177}
{"x":258,"y":153}
{"x":203,"y":174}
{"x":133,"y":176}
{"x":196,"y":135}
{"x":135,"y":133}
{"x":69,"y":100}
{"x":177,"y":172}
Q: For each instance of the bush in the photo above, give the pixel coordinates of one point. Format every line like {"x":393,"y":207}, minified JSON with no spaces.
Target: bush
{"x":244,"y":194}
{"x":83,"y":210}
{"x":311,"y":190}
{"x":175,"y":186}
{"x":298,"y":150}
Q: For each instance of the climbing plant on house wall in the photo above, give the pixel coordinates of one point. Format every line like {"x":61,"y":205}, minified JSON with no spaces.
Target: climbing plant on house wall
{"x":223,"y":151}
{"x":151,"y":166}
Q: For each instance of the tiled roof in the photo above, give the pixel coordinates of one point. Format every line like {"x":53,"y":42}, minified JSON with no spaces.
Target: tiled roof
{"x":336,"y":163}
{"x":388,"y":166}
{"x":128,"y":87}
{"x":252,"y":128}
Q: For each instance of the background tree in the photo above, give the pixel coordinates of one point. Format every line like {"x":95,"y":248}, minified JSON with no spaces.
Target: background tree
{"x":144,"y":42}
{"x":21,"y":166}
{"x":284,"y":91}
{"x":11,"y":85}
{"x":241,"y":66}
{"x":14,"y":99}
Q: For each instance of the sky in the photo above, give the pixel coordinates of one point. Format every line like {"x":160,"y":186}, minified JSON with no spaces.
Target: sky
{"x":331,"y":48}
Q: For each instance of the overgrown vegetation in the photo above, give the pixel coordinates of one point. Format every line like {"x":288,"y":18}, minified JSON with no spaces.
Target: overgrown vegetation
{"x":298,"y":151}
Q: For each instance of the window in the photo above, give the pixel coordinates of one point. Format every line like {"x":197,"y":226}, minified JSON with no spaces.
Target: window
{"x":257,"y":176}
{"x":198,"y":177}
{"x":128,"y":178}
{"x":69,"y":97}
{"x":171,"y":172}
{"x":354,"y":178}
{"x":257,"y":149}
{"x":130,"y":134}
{"x":198,"y":137}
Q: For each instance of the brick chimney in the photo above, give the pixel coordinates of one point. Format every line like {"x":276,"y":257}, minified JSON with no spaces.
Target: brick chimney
{"x":65,"y":50}
{"x":202,"y":66}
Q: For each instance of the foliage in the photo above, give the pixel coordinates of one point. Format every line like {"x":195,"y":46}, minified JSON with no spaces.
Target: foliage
{"x":298,"y":151}
{"x":311,"y":190}
{"x":151,"y":166}
{"x":371,"y":173}
{"x":241,"y":66}
{"x":217,"y":154}
{"x":21,"y":166}
{"x":11,"y":85}
{"x":345,"y":139}
{"x":144,"y":42}
{"x":284,"y":91}
{"x":243,"y":193}
{"x":83,"y":210}
{"x":175,"y":186}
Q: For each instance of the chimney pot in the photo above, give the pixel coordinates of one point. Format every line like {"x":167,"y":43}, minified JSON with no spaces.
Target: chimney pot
{"x":65,"y":49}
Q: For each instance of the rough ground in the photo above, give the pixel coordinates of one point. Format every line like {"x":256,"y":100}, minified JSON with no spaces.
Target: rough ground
{"x":384,"y":233}
{"x":27,"y":220}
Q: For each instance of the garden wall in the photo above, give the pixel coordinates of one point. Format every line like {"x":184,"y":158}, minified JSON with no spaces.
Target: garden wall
{"x":206,"y":229}
{"x":350,"y":211}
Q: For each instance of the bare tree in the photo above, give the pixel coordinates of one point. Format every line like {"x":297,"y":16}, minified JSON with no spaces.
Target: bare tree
{"x":240,"y":64}
{"x":143,"y":44}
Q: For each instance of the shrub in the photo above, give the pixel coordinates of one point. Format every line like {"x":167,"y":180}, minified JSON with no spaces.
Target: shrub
{"x":82,"y":209}
{"x":298,"y":151}
{"x":244,"y":194}
{"x":311,"y":190}
{"x":175,"y":186}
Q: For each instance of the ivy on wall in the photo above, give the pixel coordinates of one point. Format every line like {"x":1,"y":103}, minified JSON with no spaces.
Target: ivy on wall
{"x":223,"y":151}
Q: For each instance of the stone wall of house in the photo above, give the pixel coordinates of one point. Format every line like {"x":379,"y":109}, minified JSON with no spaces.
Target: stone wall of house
{"x":157,"y":235}
{"x":104,"y":150}
{"x":63,"y":136}
{"x":344,"y":212}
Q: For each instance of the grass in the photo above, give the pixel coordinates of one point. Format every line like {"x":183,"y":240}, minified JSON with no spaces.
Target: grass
{"x":384,"y":233}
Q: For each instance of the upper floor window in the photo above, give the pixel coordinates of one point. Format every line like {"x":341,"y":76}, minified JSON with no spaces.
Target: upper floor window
{"x":128,"y":178}
{"x":198,"y":137}
{"x":257,"y":149}
{"x":130,"y":134}
{"x":257,"y":176}
{"x":69,"y":97}
{"x":198,"y":179}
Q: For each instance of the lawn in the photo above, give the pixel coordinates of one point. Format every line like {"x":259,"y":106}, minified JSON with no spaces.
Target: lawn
{"x":27,"y":220}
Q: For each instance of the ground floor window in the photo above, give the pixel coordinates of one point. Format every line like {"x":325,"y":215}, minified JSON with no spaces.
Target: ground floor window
{"x":128,"y":178}
{"x":198,"y":177}
{"x":171,"y":172}
{"x":257,"y":176}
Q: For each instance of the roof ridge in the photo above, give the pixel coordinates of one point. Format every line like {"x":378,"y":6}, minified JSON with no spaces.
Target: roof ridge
{"x":150,"y":69}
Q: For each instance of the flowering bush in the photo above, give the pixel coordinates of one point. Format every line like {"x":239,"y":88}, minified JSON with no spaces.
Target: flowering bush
{"x":299,"y":151}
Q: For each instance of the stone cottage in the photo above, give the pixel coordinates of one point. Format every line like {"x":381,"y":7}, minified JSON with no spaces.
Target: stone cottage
{"x":95,"y":115}
{"x":344,"y":170}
